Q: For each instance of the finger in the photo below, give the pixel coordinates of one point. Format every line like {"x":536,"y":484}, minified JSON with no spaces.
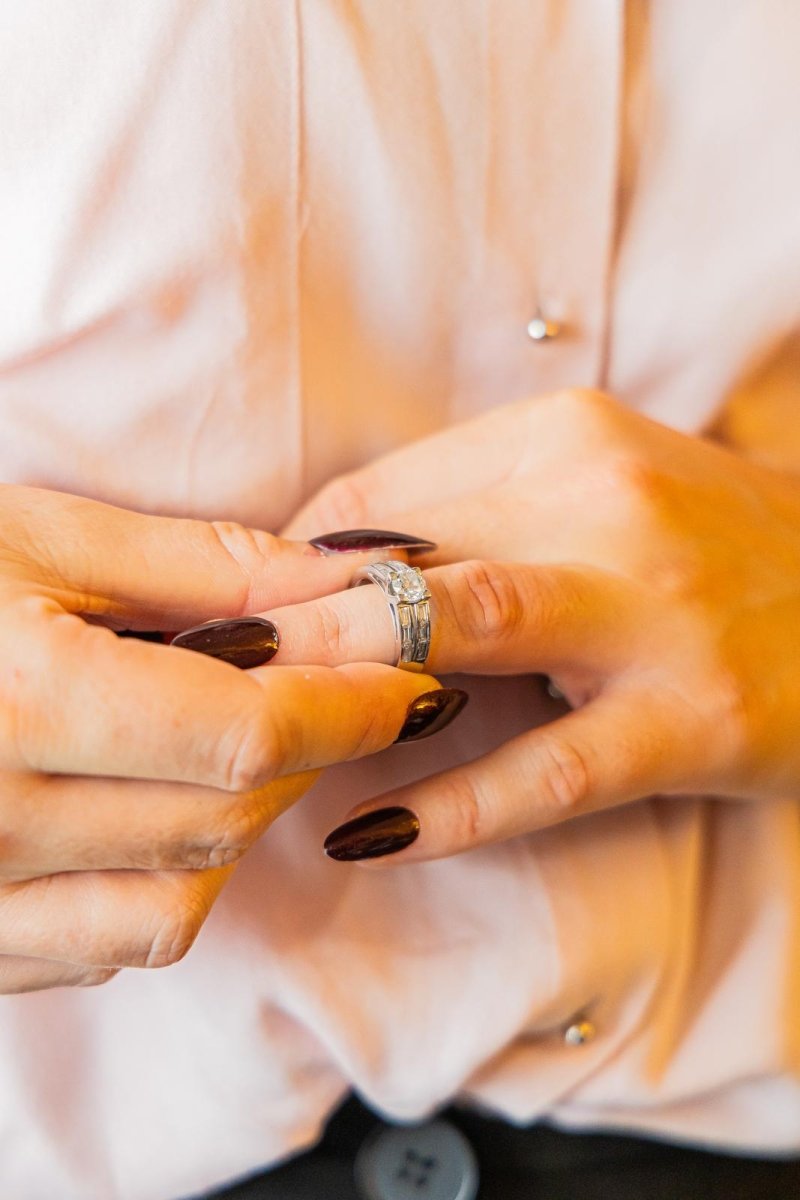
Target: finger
{"x":616,"y":749}
{"x":164,"y":573}
{"x":109,"y":918}
{"x":83,"y":702}
{"x":20,"y":974}
{"x":486,"y":618}
{"x":490,"y":524}
{"x":535,"y":435}
{"x":559,"y":522}
{"x":452,"y":463}
{"x":54,"y":824}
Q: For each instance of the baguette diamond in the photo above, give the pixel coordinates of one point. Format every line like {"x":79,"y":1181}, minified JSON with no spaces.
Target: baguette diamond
{"x":409,"y":605}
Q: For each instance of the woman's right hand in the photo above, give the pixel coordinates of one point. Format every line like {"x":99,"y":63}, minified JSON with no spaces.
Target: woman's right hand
{"x":133,"y":775}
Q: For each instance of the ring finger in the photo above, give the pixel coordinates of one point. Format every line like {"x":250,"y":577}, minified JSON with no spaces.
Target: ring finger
{"x":487,"y":617}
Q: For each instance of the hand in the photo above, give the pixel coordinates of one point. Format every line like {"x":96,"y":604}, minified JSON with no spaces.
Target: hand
{"x":654,"y":576}
{"x":132,"y":775}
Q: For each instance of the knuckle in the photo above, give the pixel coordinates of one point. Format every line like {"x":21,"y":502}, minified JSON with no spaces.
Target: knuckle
{"x":625,"y":491}
{"x":495,"y":609}
{"x":732,"y":711}
{"x":242,"y":825}
{"x":584,"y":422}
{"x":466,"y":809}
{"x":176,"y":930}
{"x":249,"y":550}
{"x":582,"y":405}
{"x":680,"y":574}
{"x":334,"y":631}
{"x":373,"y":733}
{"x":19,"y":716}
{"x":342,"y":504}
{"x":562,"y":778}
{"x":97,"y":976}
{"x":580,"y":424}
{"x":252,"y":750}
{"x":633,"y":479}
{"x":28,"y":723}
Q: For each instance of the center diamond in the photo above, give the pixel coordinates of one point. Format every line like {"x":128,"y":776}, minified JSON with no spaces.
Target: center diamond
{"x":409,"y":587}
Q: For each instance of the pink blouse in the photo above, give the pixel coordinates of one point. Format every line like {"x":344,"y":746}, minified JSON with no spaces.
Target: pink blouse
{"x":247,"y":245}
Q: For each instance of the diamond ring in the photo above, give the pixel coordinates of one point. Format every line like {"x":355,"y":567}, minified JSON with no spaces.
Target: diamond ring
{"x":409,"y":604}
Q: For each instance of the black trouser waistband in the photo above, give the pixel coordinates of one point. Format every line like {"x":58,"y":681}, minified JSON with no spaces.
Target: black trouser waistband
{"x":535,"y":1163}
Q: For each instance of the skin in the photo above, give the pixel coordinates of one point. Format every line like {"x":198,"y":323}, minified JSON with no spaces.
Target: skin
{"x":655,"y":577}
{"x":133,"y":775}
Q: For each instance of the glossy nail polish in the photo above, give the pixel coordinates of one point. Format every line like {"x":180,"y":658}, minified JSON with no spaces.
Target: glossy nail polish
{"x":431,"y":712}
{"x":351,"y":541}
{"x":384,"y":831}
{"x":246,"y":642}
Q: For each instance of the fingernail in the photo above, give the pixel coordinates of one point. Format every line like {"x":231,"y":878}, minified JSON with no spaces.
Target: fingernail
{"x":248,"y":642}
{"x":349,"y":541}
{"x":384,"y":831}
{"x":430,"y":712}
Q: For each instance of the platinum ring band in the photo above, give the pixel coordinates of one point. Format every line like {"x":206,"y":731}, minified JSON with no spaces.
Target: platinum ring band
{"x":409,"y":605}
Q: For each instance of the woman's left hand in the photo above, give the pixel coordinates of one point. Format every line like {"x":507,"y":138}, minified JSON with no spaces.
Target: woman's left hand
{"x":655,"y":578}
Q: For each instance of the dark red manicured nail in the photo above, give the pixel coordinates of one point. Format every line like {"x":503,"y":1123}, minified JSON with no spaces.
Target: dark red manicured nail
{"x":431,"y":712}
{"x":247,"y":642}
{"x":384,"y":831}
{"x":350,"y":541}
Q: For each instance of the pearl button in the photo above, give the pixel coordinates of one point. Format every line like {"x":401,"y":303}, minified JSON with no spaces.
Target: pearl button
{"x":579,"y":1032}
{"x":540,"y":329}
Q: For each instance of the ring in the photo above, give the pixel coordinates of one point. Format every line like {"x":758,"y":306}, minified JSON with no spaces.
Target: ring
{"x":409,"y":603}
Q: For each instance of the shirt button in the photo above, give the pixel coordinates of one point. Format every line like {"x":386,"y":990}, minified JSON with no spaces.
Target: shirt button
{"x":542,"y":329}
{"x":427,"y":1162}
{"x":579,"y":1032}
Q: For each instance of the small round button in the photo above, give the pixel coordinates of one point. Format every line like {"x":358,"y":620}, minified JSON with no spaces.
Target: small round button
{"x":540,"y":329}
{"x":427,"y":1162}
{"x":579,"y":1032}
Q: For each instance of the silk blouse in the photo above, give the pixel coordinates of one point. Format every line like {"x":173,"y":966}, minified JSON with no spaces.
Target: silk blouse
{"x":248,"y":244}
